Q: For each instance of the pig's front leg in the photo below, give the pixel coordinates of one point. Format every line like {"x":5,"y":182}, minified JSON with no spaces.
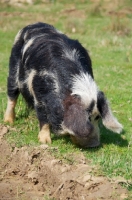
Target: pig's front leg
{"x":44,"y":134}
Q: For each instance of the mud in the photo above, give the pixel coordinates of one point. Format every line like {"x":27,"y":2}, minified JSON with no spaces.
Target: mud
{"x":32,"y":173}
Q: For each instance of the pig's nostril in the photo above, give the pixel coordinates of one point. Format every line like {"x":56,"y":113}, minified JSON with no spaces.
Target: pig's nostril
{"x":97,"y":117}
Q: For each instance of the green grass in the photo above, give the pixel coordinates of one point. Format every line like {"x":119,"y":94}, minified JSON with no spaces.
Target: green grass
{"x":108,"y":38}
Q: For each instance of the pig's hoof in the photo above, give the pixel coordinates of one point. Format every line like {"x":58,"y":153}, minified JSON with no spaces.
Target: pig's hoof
{"x":44,"y":137}
{"x":9,"y":117}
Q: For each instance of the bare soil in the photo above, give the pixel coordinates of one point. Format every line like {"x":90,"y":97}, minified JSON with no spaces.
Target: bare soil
{"x":32,"y":173}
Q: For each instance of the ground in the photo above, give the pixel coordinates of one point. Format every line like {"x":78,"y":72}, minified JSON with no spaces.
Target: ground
{"x":32,"y":173}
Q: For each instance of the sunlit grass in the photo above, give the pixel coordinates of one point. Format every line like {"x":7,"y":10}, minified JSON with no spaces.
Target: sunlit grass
{"x":110,"y":51}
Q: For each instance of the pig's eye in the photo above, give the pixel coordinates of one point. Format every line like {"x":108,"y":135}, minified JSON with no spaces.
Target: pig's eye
{"x":90,"y":119}
{"x":97,"y":117}
{"x":91,"y":107}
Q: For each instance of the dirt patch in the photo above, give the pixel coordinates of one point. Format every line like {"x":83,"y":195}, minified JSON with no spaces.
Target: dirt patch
{"x":15,"y":14}
{"x":33,"y":173}
{"x":73,"y":12}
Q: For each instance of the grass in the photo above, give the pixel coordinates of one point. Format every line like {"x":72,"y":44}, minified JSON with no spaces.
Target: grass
{"x":107,"y":34}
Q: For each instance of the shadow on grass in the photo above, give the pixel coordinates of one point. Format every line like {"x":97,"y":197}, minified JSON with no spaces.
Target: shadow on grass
{"x":107,"y":137}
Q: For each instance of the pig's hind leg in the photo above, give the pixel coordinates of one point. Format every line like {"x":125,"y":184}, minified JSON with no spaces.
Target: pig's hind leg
{"x":12,"y":85}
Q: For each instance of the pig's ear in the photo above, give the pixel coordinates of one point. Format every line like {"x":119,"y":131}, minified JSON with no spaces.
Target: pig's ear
{"x":109,"y":121}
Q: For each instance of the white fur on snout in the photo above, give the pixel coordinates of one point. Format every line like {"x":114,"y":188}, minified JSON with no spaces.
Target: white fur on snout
{"x":65,"y":130}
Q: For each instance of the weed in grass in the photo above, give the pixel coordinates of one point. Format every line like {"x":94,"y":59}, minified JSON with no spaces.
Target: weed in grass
{"x":46,"y":197}
{"x":38,"y":2}
{"x":95,"y":10}
{"x":120,"y":25}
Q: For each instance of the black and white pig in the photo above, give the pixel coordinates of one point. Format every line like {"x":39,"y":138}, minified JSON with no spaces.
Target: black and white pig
{"x":54,"y":75}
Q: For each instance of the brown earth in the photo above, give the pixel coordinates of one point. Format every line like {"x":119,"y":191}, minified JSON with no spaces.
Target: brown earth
{"x":32,"y":173}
